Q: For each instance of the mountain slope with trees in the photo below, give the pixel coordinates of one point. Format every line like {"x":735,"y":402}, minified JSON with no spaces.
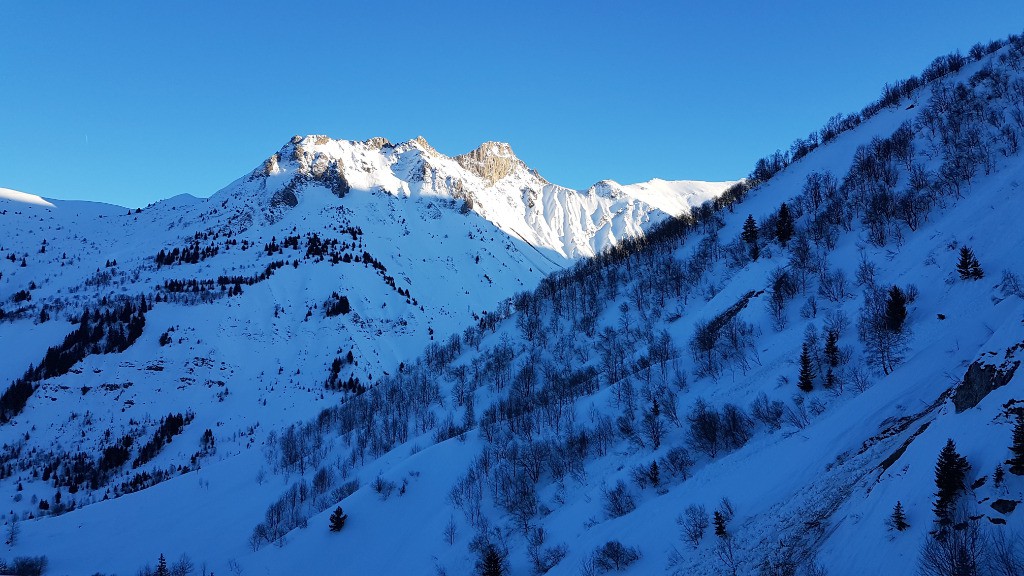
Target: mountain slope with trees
{"x":815,"y":372}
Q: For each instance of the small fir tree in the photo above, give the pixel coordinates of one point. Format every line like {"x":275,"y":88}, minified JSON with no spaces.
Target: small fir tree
{"x":950,"y":471}
{"x":968,"y":265}
{"x":898,"y":520}
{"x":719,"y":521}
{"x":784,"y":225}
{"x":1017,"y":447}
{"x":806,"y":380}
{"x":654,"y":474}
{"x":338,"y":518}
{"x":161,"y":567}
{"x":999,"y":476}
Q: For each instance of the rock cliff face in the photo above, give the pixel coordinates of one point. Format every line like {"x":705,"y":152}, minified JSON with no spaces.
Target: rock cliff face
{"x":378,"y":143}
{"x":982,"y":378}
{"x":310,"y":166}
{"x":492,"y":161}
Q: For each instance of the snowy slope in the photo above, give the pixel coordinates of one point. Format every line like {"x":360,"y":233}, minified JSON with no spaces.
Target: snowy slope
{"x":417,"y":244}
{"x":814,"y":490}
{"x":22,"y":197}
{"x":534,"y":430}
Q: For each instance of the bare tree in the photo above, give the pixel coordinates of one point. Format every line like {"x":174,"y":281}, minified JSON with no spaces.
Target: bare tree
{"x":1006,"y":554}
{"x":705,"y":428}
{"x":737,"y":427}
{"x":767,"y":411}
{"x":962,"y":551}
{"x":694,"y":523}
{"x":618,"y":500}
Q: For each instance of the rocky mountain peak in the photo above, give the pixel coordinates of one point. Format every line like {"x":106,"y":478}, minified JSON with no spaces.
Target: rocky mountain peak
{"x":491,"y":161}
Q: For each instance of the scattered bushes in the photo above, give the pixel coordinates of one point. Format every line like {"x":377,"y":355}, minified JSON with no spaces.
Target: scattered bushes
{"x":614,"y":555}
{"x":618,"y":500}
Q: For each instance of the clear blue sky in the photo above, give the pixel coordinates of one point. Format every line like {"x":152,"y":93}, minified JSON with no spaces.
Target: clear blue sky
{"x":130,"y":102}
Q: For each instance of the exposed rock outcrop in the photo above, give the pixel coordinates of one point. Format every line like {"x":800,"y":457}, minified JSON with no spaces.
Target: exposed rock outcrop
{"x":980,"y":380}
{"x":311,"y":167}
{"x":378,"y":142}
{"x":1005,"y":506}
{"x":492,"y":161}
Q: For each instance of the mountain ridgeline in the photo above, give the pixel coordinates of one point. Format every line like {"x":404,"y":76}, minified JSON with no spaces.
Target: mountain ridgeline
{"x":372,"y":357}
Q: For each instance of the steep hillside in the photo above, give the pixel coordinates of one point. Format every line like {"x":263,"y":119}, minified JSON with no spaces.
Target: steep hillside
{"x":142,"y":345}
{"x":751,"y":389}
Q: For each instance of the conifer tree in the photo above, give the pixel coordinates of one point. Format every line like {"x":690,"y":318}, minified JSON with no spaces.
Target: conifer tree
{"x":830,"y":379}
{"x":1017,"y":447}
{"x":895,"y":309}
{"x":720,"y":530}
{"x":950,"y":471}
{"x":832,"y":355}
{"x":654,"y":474}
{"x":491,"y":563}
{"x":963,"y":265}
{"x":338,"y":518}
{"x":784,"y":225}
{"x":806,"y":380}
{"x":968,"y":265}
{"x":999,"y":476}
{"x":161,"y":567}
{"x":898,"y":520}
{"x":749,"y":235}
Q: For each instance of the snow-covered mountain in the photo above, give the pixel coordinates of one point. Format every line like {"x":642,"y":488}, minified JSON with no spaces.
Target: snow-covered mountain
{"x":490,"y":181}
{"x":305,"y":281}
{"x":753,"y":388}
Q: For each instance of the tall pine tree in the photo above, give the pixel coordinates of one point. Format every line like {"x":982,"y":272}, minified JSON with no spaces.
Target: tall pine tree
{"x":784,"y":225}
{"x":1017,"y":447}
{"x":950,"y":472}
{"x":895,"y":309}
{"x":749,"y":235}
{"x":832,"y":354}
{"x":806,"y":380}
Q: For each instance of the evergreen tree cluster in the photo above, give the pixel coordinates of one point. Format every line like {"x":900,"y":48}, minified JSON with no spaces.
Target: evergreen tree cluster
{"x":190,"y":254}
{"x":334,"y":381}
{"x":169,"y":427}
{"x":336,"y":305}
{"x":99,"y":332}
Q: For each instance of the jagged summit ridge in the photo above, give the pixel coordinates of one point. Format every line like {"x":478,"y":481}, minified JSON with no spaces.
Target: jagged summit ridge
{"x":490,"y":181}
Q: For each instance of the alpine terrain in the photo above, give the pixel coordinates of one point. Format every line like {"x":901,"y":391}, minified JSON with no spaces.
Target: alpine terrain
{"x":365,"y":357}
